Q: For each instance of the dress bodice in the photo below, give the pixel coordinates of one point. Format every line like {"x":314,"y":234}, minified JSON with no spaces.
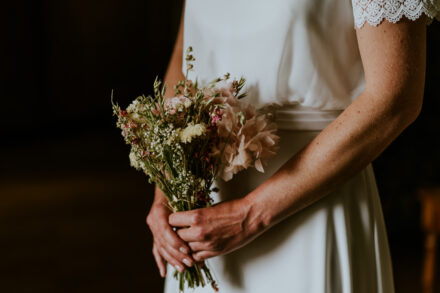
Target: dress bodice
{"x":290,"y":51}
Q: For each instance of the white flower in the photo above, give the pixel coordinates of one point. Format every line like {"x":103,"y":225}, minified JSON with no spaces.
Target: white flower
{"x":134,"y":162}
{"x":192,"y":131}
{"x":133,"y":106}
{"x":134,"y":110}
{"x":187,"y":103}
{"x":177,"y":104}
{"x":173,"y":137}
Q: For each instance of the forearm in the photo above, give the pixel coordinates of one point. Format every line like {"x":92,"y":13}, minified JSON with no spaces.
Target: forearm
{"x":174,"y":71}
{"x":393,"y":57}
{"x":342,"y":149}
{"x":172,"y":76}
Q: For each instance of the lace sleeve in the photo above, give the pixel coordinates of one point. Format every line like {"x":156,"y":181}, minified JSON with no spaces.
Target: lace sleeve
{"x":375,"y":11}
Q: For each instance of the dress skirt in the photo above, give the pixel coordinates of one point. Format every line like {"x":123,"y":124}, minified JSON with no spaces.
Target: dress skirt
{"x":336,"y":245}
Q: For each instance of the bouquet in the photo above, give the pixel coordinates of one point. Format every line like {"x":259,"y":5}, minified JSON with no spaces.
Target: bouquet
{"x":185,"y":142}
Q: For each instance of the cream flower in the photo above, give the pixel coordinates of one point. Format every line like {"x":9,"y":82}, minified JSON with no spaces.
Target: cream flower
{"x":177,"y":104}
{"x":187,"y":103}
{"x":134,"y":109}
{"x":134,"y":162}
{"x":192,"y":131}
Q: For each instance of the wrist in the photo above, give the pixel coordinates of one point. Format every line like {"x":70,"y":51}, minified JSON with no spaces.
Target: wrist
{"x":159,"y":197}
{"x":257,"y":215}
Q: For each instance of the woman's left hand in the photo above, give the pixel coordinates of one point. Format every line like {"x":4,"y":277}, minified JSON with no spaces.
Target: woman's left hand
{"x":218,"y":229}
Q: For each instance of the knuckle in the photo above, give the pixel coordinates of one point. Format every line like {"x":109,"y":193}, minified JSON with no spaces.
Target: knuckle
{"x":196,"y":218}
{"x":200,"y":233}
{"x":149,"y":220}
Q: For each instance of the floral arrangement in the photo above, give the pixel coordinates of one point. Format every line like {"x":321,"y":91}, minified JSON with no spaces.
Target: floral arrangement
{"x":185,"y":142}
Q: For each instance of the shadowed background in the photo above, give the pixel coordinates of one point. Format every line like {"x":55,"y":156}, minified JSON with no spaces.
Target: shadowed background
{"x":72,"y":211}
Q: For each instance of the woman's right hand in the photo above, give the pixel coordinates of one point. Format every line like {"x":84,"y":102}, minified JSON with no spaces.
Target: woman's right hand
{"x":167,"y":245}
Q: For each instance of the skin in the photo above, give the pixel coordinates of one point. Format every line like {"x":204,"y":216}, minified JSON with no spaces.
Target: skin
{"x":167,"y":245}
{"x":393,"y":57}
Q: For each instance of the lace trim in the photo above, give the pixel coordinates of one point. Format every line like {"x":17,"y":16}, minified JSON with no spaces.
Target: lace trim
{"x":375,"y":11}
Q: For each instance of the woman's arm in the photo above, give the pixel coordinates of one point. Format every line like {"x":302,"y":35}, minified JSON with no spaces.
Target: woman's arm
{"x":172,"y":76}
{"x":167,"y":245}
{"x":393,"y":57}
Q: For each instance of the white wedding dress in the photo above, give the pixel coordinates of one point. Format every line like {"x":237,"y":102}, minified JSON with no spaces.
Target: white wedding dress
{"x":301,"y":58}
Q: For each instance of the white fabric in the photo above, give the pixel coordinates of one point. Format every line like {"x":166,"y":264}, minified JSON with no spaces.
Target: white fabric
{"x":303,"y":53}
{"x":297,"y":117}
{"x":290,"y":51}
{"x":337,"y":245}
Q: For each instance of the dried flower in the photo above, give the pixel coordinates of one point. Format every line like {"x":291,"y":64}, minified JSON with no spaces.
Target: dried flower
{"x":185,"y":142}
{"x":192,"y":131}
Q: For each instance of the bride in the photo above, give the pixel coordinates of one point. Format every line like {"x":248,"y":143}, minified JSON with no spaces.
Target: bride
{"x":343,"y":79}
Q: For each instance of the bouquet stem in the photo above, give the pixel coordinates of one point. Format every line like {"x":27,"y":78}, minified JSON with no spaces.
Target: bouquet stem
{"x":195,"y":276}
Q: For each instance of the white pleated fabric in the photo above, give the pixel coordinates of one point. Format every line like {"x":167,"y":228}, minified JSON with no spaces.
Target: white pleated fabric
{"x":302,"y":57}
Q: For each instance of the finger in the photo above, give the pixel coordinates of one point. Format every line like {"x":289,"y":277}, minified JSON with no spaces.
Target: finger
{"x":160,"y":262}
{"x":184,"y":219}
{"x":171,"y":260}
{"x":184,"y":258}
{"x":202,"y":255}
{"x":170,"y":237}
{"x":191,"y":234}
{"x":200,"y":246}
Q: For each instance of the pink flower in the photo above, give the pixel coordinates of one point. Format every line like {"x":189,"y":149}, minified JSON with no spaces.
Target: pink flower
{"x":123,"y":113}
{"x":215,"y":119}
{"x":156,"y":111}
{"x":172,"y":105}
{"x":248,"y":145}
{"x":131,"y":125}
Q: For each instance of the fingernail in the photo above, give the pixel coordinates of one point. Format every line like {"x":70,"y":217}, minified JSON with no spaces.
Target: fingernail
{"x":187,"y":262}
{"x":179,"y":268}
{"x":196,"y":258}
{"x":183,"y":250}
{"x":162,"y":273}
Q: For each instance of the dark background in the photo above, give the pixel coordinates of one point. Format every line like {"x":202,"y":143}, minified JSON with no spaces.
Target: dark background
{"x":72,"y":211}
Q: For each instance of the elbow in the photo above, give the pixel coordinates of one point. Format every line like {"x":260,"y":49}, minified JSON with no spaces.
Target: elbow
{"x":415,"y":107}
{"x":407,"y":109}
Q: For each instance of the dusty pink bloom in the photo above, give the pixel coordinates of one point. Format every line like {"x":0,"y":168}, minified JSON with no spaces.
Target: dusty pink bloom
{"x":131,"y":125}
{"x":247,"y":145}
{"x":225,"y":93}
{"x":156,"y":111}
{"x":173,"y":104}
